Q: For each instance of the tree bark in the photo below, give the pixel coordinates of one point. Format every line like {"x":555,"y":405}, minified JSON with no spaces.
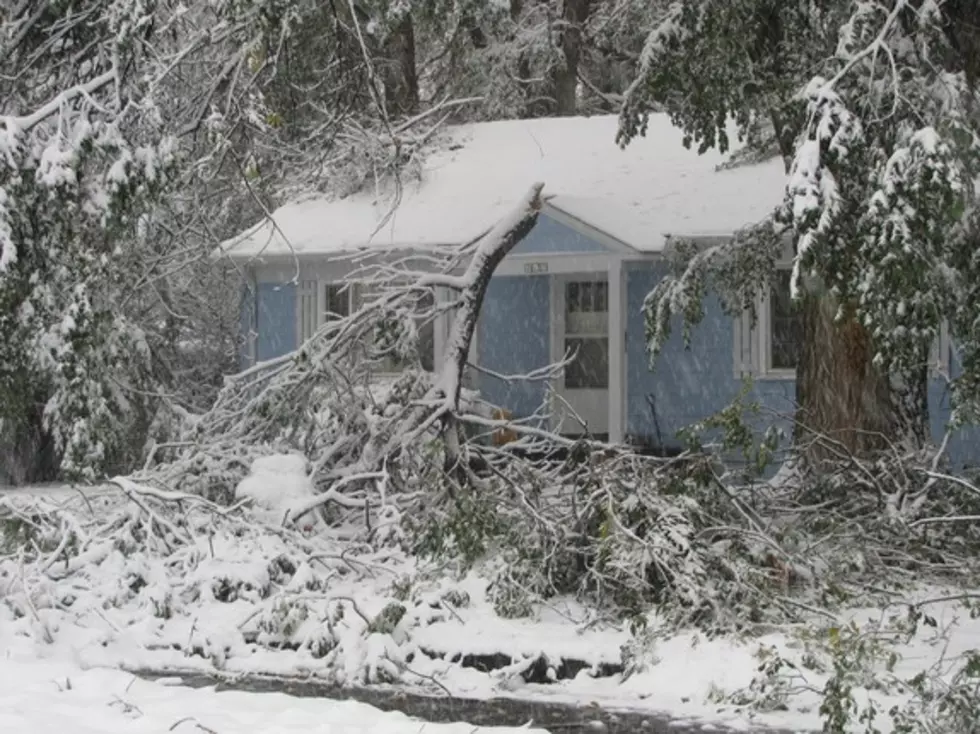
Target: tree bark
{"x":401,"y":80}
{"x":846,"y":404}
{"x":565,"y":75}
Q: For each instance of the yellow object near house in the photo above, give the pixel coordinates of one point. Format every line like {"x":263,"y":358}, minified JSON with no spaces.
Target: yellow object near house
{"x":502,"y":436}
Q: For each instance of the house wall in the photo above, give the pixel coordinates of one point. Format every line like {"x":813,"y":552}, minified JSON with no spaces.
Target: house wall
{"x":275,"y":320}
{"x":685,"y":386}
{"x":964,"y":443}
{"x":269,"y":302}
{"x":513,"y":338}
{"x":247,"y":323}
{"x":688,"y":385}
{"x":551,"y":236}
{"x":514,"y":332}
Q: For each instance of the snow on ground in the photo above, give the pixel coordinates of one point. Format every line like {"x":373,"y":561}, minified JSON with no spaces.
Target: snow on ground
{"x":240,"y":599}
{"x":41,"y":694}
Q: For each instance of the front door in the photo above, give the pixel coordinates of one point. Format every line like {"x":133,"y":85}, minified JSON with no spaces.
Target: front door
{"x":581,"y":329}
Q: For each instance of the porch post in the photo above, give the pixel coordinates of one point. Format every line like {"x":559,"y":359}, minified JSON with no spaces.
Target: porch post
{"x":617,"y":349}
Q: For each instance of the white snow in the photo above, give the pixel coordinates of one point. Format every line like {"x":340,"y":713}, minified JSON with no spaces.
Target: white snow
{"x":277,"y":485}
{"x":640,"y":195}
{"x":181,"y":617}
{"x":41,"y":694}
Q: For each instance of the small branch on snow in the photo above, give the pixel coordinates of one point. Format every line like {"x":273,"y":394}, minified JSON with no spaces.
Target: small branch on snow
{"x":198,"y":724}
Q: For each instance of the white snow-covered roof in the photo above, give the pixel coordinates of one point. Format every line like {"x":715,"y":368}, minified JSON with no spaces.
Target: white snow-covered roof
{"x":654,"y":188}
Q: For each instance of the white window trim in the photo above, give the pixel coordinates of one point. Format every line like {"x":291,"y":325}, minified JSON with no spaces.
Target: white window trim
{"x":765,"y":370}
{"x":752,"y":345}
{"x":940,"y":355}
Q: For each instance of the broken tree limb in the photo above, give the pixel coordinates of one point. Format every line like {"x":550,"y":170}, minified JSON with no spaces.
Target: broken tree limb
{"x":491,"y":250}
{"x":441,"y":403}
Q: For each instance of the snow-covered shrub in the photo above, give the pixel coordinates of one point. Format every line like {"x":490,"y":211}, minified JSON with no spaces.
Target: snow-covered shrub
{"x":855,"y":670}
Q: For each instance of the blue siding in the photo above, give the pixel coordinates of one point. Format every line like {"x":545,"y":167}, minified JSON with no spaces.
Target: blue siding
{"x":276,"y":320}
{"x":549,"y":236}
{"x":513,"y":339}
{"x":687,"y":386}
{"x":964,"y":444}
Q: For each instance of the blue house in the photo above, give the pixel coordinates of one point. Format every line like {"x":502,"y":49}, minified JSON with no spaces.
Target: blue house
{"x":575,"y":284}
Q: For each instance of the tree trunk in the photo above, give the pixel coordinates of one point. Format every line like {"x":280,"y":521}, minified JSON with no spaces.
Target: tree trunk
{"x":400,"y":73}
{"x":846,"y":404}
{"x":565,"y":75}
{"x":27,"y":454}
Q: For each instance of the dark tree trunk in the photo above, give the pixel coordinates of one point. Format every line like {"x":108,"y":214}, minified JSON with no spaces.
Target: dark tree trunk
{"x":27,"y":453}
{"x":401,"y":80}
{"x":565,"y":75}
{"x":847,"y":405}
{"x":532,"y":106}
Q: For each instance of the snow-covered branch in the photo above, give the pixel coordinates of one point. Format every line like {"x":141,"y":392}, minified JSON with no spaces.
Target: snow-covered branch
{"x":24,"y":123}
{"x":491,"y":250}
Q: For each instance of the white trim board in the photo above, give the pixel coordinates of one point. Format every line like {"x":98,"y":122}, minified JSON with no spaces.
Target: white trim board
{"x":617,"y":350}
{"x":554,"y":264}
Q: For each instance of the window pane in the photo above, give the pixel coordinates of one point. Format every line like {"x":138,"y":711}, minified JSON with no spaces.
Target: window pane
{"x":593,"y":324}
{"x":572,"y":298}
{"x":588,"y":296}
{"x":590,"y":366}
{"x":601,"y":304}
{"x":336,"y":301}
{"x":427,"y":346}
{"x":786,"y":333}
{"x":427,"y":334}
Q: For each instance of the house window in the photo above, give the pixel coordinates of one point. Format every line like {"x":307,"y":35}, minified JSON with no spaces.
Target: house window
{"x":363,"y":293}
{"x":771,"y":348}
{"x":587,"y":334}
{"x":785,"y":337}
{"x":426,"y":344}
{"x":336,"y":301}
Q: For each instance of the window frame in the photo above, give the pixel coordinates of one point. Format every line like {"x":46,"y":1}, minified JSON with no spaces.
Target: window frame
{"x":765,"y":370}
{"x":753,"y":344}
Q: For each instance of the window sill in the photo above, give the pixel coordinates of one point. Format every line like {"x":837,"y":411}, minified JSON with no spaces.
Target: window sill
{"x":775,"y":375}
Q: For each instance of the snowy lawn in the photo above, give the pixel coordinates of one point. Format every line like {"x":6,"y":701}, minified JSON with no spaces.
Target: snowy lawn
{"x":229,"y":594}
{"x":41,"y":694}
